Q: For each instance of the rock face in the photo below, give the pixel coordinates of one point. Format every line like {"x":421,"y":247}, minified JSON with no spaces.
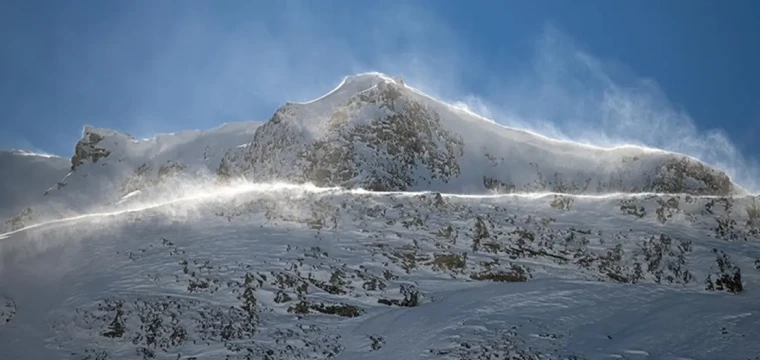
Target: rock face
{"x":376,"y":133}
{"x":87,"y":150}
{"x":22,"y":219}
{"x":684,"y":175}
{"x":377,"y":140}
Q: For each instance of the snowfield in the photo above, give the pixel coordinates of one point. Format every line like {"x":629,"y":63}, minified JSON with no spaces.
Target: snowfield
{"x":374,"y":222}
{"x":300,"y":272}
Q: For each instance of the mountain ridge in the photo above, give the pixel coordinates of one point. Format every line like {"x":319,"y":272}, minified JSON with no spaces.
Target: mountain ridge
{"x":173,"y":248}
{"x":373,"y":131}
{"x":311,"y":126}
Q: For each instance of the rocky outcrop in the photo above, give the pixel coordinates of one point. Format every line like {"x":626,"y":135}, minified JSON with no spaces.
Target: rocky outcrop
{"x":20,"y":220}
{"x":377,"y":140}
{"x":87,"y":150}
{"x":689,"y":176}
{"x":145,"y":176}
{"x":498,"y":186}
{"x":7,"y":310}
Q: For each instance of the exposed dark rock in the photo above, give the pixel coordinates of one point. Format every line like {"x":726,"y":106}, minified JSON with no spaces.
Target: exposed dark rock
{"x":87,"y":150}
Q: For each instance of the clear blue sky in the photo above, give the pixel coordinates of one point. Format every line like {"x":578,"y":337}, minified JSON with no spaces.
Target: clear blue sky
{"x":661,"y":73}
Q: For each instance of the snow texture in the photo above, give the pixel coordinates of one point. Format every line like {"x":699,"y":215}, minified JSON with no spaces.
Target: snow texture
{"x":374,"y":222}
{"x":107,"y":165}
{"x":288,"y":272}
{"x":24,"y":178}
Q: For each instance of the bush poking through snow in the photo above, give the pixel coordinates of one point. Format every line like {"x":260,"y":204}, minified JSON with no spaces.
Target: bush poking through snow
{"x":728,"y":276}
{"x":412,"y":297}
{"x":7,"y":310}
{"x":517,"y":273}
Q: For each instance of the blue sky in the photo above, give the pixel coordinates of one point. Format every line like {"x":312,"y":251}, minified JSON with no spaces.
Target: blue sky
{"x":679,"y":74}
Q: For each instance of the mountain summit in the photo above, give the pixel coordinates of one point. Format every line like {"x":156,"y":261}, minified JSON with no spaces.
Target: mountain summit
{"x":372,"y":132}
{"x":210,"y":244}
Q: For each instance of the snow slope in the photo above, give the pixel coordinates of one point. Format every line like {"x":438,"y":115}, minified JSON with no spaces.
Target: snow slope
{"x":471,"y":241}
{"x":296,"y":272}
{"x":24,"y":177}
{"x":108,"y":165}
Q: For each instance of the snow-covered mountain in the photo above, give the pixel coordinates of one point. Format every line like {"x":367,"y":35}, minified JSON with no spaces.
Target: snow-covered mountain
{"x":373,"y":222}
{"x":108,"y":165}
{"x":375,"y":132}
{"x":370,"y":132}
{"x":129,"y":165}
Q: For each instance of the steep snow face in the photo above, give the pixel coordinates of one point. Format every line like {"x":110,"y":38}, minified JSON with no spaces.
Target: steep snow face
{"x":307,"y":273}
{"x":375,"y":132}
{"x":108,"y":165}
{"x":24,"y":177}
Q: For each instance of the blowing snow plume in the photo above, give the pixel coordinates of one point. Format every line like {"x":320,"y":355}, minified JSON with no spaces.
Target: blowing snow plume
{"x":564,"y":92}
{"x":569,"y":94}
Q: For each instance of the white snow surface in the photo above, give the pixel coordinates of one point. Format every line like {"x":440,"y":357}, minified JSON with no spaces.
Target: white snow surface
{"x":131,"y":165}
{"x":615,"y":276}
{"x":217,"y":244}
{"x":24,"y":177}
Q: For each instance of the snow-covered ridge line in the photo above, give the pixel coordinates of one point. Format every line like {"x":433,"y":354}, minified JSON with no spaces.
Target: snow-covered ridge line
{"x":381,"y":77}
{"x":545,"y":194}
{"x":370,"y":81}
{"x":107,"y":164}
{"x":91,"y":129}
{"x":194,"y":193}
{"x":22,"y":152}
{"x":368,"y":77}
{"x":644,"y":149}
{"x":368,"y":119}
{"x":201,"y":192}
{"x":355,"y":137}
{"x":531,"y":133}
{"x":372,"y":78}
{"x":349,"y":79}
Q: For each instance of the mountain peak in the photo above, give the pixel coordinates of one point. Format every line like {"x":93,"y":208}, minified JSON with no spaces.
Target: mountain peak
{"x":374,"y":132}
{"x":89,"y":131}
{"x":364,"y":81}
{"x":349,"y":87}
{"x":372,"y":76}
